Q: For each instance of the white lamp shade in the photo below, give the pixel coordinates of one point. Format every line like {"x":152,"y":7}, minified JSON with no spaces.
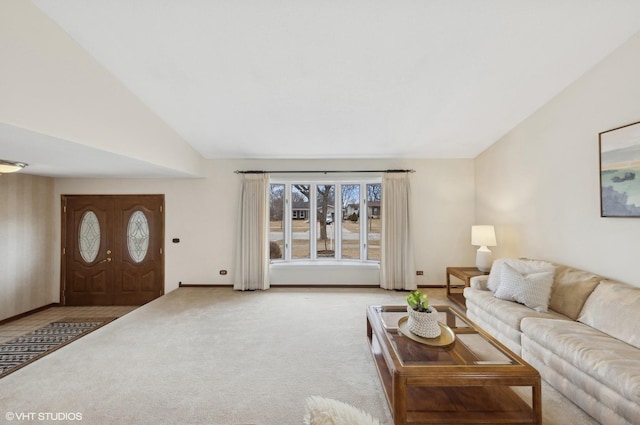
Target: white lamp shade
{"x":483,"y":235}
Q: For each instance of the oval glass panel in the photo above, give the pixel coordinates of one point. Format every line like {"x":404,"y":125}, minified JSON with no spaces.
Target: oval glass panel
{"x":138,"y":236}
{"x":89,"y":236}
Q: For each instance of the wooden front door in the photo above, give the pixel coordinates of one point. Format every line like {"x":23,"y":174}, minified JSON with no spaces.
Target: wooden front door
{"x":112,"y":249}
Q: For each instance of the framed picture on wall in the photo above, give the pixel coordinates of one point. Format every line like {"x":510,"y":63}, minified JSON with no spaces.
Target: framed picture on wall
{"x":620,"y":171}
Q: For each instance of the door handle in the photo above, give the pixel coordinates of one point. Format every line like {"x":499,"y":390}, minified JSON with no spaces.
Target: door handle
{"x":106,"y":260}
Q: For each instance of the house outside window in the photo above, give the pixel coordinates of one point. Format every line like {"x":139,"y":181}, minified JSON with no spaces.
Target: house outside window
{"x":324,"y":220}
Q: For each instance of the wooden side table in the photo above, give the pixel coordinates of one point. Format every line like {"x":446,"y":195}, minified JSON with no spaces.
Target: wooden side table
{"x":464,"y":274}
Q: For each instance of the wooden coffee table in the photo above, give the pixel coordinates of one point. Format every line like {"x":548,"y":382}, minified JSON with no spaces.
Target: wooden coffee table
{"x":466,"y":382}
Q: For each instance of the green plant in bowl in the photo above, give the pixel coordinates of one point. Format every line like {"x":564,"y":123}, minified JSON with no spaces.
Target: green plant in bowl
{"x":418,"y":301}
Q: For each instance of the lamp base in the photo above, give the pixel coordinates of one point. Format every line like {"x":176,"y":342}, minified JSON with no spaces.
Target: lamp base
{"x":484,"y":259}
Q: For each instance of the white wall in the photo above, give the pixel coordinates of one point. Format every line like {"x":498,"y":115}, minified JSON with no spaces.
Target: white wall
{"x":27,"y":254}
{"x":202,"y":213}
{"x":539,"y":184}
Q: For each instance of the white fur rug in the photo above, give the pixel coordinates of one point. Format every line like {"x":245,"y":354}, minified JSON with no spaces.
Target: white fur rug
{"x":326,"y":411}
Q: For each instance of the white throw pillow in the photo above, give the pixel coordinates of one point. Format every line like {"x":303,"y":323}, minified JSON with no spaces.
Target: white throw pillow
{"x":325,"y":411}
{"x":510,"y":281}
{"x":532,"y":289}
{"x":494,"y":275}
{"x":522,"y":266}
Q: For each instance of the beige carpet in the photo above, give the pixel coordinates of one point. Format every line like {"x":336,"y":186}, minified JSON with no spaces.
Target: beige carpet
{"x":216,"y":356}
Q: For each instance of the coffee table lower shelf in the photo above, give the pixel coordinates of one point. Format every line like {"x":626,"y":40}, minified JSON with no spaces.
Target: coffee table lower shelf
{"x":457,"y":405}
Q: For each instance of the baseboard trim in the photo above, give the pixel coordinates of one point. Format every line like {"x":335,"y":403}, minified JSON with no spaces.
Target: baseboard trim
{"x":279,"y":285}
{"x":27,"y":313}
{"x":328,"y":285}
{"x":284,"y":285}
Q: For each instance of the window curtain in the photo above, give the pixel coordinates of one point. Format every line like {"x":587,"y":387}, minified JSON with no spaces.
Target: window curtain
{"x":397,"y":268}
{"x":252,"y":259}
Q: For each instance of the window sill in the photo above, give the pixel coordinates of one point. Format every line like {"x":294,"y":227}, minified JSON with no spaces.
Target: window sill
{"x":325,"y":263}
{"x":324,"y":272}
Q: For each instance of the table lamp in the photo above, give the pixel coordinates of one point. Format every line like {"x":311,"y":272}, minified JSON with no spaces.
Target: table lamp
{"x":483,"y":236}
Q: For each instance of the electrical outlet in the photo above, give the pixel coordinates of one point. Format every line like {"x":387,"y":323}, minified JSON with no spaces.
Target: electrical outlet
{"x":419,"y":273}
{"x":223,"y":272}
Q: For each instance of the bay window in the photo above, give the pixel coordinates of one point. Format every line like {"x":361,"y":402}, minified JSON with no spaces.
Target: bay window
{"x":325,"y":221}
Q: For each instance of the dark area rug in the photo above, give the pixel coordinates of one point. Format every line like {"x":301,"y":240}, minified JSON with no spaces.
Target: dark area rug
{"x":28,"y":348}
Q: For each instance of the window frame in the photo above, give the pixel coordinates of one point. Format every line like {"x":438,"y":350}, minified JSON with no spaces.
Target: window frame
{"x":338,"y":181}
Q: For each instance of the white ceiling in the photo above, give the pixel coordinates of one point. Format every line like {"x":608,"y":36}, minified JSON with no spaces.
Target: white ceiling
{"x":55,"y":157}
{"x":345,"y":79}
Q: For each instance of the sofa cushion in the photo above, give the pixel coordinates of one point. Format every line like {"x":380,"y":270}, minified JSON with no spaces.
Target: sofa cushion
{"x":531,"y":289}
{"x":614,"y":308}
{"x":507,"y":336}
{"x":604,"y":403}
{"x":570,"y":290}
{"x":478,"y":304}
{"x":611,"y":362}
{"x":506,"y":312}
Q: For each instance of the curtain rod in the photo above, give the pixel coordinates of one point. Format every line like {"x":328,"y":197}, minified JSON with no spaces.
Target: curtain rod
{"x":320,"y":172}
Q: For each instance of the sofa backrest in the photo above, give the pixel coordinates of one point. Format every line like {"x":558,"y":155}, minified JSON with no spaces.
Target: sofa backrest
{"x":614,"y":308}
{"x":571,"y":288}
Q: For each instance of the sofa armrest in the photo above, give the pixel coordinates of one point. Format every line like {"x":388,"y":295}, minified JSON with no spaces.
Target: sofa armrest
{"x":479,"y":282}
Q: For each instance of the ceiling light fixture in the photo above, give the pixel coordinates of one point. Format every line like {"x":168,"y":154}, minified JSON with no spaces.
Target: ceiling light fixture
{"x":11,"y":166}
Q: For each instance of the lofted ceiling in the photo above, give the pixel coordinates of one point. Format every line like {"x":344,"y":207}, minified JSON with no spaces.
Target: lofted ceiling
{"x":344,"y":79}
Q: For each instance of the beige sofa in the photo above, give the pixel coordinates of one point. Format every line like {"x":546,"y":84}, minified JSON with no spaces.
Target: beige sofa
{"x":585,"y":342}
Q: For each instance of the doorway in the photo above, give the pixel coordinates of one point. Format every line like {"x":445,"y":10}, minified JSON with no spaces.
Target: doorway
{"x":112,"y":249}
